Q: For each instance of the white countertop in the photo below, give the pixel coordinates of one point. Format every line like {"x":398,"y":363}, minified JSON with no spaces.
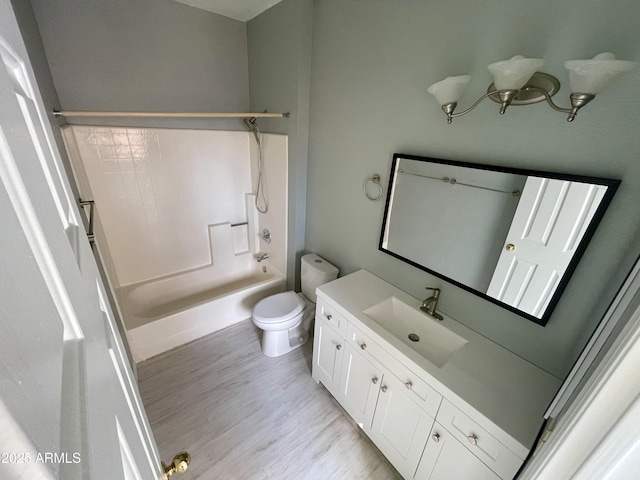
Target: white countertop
{"x":507,"y":390}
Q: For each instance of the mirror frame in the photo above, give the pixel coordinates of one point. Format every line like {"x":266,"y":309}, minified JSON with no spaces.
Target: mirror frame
{"x":611,"y":184}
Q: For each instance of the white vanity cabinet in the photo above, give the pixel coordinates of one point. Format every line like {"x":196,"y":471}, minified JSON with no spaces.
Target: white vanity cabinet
{"x":473,"y":414}
{"x":445,"y":458}
{"x":328,"y":349}
{"x":360,"y":382}
{"x":400,"y":427}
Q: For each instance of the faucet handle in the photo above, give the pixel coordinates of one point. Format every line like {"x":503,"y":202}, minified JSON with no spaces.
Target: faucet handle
{"x":436,"y":291}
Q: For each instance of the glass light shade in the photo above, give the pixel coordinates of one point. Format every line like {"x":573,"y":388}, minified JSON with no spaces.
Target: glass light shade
{"x":514,"y":73}
{"x":450,"y":89}
{"x":593,"y":76}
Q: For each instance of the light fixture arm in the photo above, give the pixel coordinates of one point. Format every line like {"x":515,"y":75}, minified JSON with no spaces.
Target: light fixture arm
{"x":578,"y":100}
{"x":449,"y":107}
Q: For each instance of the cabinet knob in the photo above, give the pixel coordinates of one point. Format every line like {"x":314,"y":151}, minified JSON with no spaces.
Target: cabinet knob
{"x":363,"y":345}
{"x":383,"y":388}
{"x":329,"y":316}
{"x":408,"y":384}
{"x":338,"y":347}
{"x":473,"y":440}
{"x":436,"y":437}
{"x":374,"y":380}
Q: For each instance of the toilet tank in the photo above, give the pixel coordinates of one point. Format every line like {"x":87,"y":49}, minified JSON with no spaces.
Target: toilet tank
{"x":314,"y":271}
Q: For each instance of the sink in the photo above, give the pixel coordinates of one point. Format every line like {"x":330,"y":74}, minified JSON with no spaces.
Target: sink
{"x":417,"y":330}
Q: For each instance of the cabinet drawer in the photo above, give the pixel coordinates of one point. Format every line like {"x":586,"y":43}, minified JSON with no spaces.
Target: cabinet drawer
{"x":478,"y":441}
{"x":333,"y":319}
{"x":418,"y":389}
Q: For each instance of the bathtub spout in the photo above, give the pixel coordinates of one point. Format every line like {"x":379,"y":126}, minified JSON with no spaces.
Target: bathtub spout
{"x":261,"y":257}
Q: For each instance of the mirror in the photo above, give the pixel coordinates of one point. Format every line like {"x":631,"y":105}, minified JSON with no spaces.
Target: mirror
{"x":510,"y":236}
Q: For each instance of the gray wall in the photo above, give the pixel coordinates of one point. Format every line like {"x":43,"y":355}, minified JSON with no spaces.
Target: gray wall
{"x":279,"y":42}
{"x":145,"y":55}
{"x":371,"y":63}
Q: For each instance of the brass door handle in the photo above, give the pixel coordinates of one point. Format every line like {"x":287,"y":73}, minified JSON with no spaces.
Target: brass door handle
{"x":510,"y":247}
{"x":179,"y":464}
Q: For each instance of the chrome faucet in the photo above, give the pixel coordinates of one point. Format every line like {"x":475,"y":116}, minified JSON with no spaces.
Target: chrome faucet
{"x":261,"y":257}
{"x":429,"y":305}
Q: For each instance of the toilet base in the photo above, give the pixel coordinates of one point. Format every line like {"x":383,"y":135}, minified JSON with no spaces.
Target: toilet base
{"x":275,"y":344}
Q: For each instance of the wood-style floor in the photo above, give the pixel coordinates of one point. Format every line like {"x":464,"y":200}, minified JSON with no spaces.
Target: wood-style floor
{"x":244,"y":416}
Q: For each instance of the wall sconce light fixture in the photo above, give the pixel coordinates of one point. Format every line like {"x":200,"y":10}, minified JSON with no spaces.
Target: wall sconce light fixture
{"x":517,"y":81}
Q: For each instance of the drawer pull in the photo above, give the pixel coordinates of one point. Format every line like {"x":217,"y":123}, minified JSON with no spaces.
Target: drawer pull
{"x":408,"y":384}
{"x":338,"y":347}
{"x":383,"y":388}
{"x":473,"y":440}
{"x":436,"y":437}
{"x":329,"y":316}
{"x":374,"y":380}
{"x":363,"y":346}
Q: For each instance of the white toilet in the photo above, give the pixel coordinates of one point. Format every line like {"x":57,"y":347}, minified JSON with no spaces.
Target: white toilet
{"x":286,"y":317}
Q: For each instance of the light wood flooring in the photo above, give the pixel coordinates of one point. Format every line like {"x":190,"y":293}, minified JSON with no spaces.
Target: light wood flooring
{"x":244,"y":416}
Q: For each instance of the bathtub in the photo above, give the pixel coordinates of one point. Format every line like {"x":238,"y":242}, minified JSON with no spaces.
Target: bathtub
{"x":165,"y":313}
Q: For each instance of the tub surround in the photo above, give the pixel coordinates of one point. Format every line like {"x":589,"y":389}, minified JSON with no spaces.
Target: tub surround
{"x":177,"y":228}
{"x":504,"y":394}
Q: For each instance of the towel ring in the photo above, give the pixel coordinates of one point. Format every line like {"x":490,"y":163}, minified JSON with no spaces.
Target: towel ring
{"x":375,"y":178}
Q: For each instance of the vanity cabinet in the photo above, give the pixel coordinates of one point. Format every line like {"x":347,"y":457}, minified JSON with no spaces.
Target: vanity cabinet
{"x":328,"y":350}
{"x":473,"y":415}
{"x":400,"y":427}
{"x":360,"y":382}
{"x":445,"y":458}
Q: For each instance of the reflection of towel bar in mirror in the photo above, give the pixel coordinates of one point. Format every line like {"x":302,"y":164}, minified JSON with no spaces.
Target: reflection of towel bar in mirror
{"x":462,"y":234}
{"x":454,"y":181}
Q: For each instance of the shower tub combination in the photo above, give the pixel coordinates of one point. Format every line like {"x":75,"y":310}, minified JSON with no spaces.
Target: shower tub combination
{"x":163,"y":314}
{"x":177,"y":228}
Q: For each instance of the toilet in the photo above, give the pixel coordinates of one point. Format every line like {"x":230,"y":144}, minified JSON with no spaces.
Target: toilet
{"x":285,"y":318}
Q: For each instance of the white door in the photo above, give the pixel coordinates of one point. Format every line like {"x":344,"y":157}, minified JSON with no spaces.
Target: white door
{"x":69,"y":405}
{"x":549,"y":223}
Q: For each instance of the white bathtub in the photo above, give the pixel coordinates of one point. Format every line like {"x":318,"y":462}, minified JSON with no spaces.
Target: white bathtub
{"x":166,"y":313}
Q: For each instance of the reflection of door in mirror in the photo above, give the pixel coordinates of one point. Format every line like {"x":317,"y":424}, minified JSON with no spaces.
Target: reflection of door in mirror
{"x":549,"y":223}
{"x":456,"y":219}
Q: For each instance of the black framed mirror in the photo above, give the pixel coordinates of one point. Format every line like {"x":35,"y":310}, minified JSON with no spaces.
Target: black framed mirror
{"x":511,"y":236}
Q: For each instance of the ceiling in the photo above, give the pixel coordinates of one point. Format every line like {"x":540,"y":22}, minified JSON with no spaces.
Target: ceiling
{"x":242,"y":10}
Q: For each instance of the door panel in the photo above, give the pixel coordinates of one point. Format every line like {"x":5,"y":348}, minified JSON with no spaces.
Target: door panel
{"x":400,"y":427}
{"x":359,"y":385}
{"x":66,"y":387}
{"x":550,"y":220}
{"x":445,"y":458}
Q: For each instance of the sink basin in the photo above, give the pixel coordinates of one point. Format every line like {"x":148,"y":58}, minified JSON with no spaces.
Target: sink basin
{"x":417,"y":330}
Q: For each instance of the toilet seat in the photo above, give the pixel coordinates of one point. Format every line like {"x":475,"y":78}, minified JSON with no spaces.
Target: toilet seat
{"x":278,"y":308}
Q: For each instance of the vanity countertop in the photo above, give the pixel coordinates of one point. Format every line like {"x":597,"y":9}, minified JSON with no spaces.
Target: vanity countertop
{"x":509,"y":391}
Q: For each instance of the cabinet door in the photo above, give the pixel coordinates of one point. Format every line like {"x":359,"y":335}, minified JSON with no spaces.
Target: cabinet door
{"x":445,"y":458}
{"x":400,"y":427}
{"x":359,"y":385}
{"x":327,"y":356}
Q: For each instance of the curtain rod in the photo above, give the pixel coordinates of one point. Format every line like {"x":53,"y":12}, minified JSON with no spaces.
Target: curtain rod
{"x":77,"y":113}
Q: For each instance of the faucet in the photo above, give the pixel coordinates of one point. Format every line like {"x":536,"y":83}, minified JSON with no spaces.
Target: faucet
{"x":261,"y":257}
{"x":429,"y":305}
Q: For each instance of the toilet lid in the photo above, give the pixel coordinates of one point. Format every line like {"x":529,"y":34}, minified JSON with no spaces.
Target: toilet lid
{"x":278,"y":308}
